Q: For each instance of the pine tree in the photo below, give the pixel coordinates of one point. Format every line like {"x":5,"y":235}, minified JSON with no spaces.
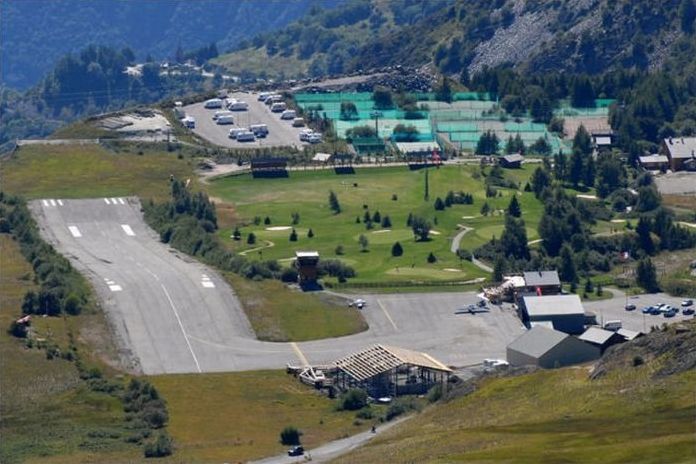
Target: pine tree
{"x":687,"y":14}
{"x":386,"y":222}
{"x":310,"y":233}
{"x":439,"y":204}
{"x":376,"y":217}
{"x":485,"y":209}
{"x":333,"y":202}
{"x":646,"y":275}
{"x":251,"y":238}
{"x":568,"y":272}
{"x":236,"y":235}
{"x":397,"y":250}
{"x":498,"y":269}
{"x":364,"y":243}
{"x":644,"y":239}
{"x":432,"y":258}
{"x":514,"y":208}
{"x":293,"y":235}
{"x":409,"y":221}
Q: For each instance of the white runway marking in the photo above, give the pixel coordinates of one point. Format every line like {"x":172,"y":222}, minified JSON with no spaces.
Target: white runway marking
{"x":106,"y":200}
{"x":387,"y":314}
{"x":75,"y":231}
{"x":53,"y":202}
{"x":60,"y":202}
{"x":206,"y":282}
{"x":181,"y":326}
{"x":113,"y":200}
{"x":45,"y":202}
{"x":127,"y":229}
{"x":115,"y":288}
{"x":120,"y":200}
{"x":299,"y":353}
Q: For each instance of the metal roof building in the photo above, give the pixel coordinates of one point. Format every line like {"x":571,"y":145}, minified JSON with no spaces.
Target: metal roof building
{"x":564,"y":311}
{"x":601,"y":338}
{"x":546,"y":281}
{"x":547,"y":348}
{"x":386,"y":370}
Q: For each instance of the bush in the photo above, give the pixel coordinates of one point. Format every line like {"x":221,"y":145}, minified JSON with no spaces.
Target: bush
{"x":432,"y":258}
{"x":161,"y":447}
{"x":339,"y":250}
{"x":435,"y":393}
{"x":72,"y":305}
{"x":365,"y":413}
{"x":251,"y":238}
{"x":352,"y":400}
{"x":290,"y":436}
{"x":18,"y":330}
{"x":289,"y":275}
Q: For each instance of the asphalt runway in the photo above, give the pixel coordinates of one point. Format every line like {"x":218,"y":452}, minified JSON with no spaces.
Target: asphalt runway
{"x":281,"y":133}
{"x":172,"y":314}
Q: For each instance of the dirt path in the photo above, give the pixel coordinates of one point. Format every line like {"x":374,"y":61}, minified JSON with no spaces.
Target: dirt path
{"x":268,"y":244}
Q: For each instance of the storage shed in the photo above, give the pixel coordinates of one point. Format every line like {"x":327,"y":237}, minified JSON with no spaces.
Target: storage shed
{"x":601,"y":338}
{"x":548,"y":348}
{"x":564,"y":311}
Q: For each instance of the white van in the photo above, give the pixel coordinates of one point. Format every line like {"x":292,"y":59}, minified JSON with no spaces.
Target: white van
{"x":288,"y":114}
{"x":279,"y":107}
{"x":225,"y":120}
{"x":221,"y":113}
{"x":189,"y":122}
{"x":239,"y":106}
{"x":260,"y":130}
{"x":612,"y":325}
{"x":298,"y":122}
{"x":234,"y":132}
{"x":246,"y":136}
{"x":264,"y":95}
{"x":213,"y":103}
{"x":273,"y":98}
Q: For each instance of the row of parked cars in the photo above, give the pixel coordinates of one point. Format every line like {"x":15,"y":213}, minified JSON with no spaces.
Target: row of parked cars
{"x":665,"y":309}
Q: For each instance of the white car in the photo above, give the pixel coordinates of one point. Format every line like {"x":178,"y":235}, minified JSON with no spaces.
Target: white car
{"x":359,"y":303}
{"x":304,"y":134}
{"x":314,"y":138}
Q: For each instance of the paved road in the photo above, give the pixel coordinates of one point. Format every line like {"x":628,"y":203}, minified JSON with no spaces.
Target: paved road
{"x":454,"y":247}
{"x":333,"y":449}
{"x":173,"y":314}
{"x":281,"y":133}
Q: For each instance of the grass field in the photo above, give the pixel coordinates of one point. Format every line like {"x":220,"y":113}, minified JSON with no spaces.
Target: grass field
{"x":237,"y":417}
{"x":551,"y":417}
{"x":37,"y":391}
{"x":87,"y":171}
{"x":306,"y":192}
{"x":277,"y":314}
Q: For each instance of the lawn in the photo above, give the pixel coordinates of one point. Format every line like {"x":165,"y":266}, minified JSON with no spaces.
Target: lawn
{"x":306,"y":193}
{"x":88,"y":171}
{"x":550,"y":417}
{"x":37,"y":392}
{"x":238,"y":417}
{"x":277,"y":314}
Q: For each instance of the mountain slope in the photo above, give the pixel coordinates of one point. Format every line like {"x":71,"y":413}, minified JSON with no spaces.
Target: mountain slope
{"x":640,"y":409}
{"x":582,"y":36}
{"x":35,"y":33}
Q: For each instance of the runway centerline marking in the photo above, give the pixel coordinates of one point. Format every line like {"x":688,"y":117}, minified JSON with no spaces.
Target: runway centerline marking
{"x":74,"y":231}
{"x":181,"y":326}
{"x":299,"y":353}
{"x":127,"y":229}
{"x":384,"y":310}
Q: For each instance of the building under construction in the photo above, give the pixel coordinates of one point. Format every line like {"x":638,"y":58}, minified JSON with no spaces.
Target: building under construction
{"x":389,"y":371}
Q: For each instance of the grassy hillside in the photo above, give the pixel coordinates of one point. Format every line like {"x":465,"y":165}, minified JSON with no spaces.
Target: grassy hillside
{"x":306,"y":193}
{"x":628,"y":415}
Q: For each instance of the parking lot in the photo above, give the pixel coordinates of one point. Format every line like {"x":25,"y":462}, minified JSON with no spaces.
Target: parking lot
{"x":614,"y":309}
{"x":281,"y":133}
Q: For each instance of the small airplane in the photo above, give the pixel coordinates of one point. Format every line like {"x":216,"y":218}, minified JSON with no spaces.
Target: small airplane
{"x":359,"y":303}
{"x":473,"y":309}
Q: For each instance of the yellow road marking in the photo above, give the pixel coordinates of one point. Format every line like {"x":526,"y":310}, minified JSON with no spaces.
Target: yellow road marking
{"x":299,"y":353}
{"x":387,"y":314}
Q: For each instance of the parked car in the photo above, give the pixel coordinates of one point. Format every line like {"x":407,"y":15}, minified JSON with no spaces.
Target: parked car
{"x":296,"y":451}
{"x":358,"y":303}
{"x":304,"y":134}
{"x":647,"y":310}
{"x":630,"y":307}
{"x":687,"y":303}
{"x":612,"y":325}
{"x":314,"y":138}
{"x":688,"y":311}
{"x":670,"y":313}
{"x":654,"y":310}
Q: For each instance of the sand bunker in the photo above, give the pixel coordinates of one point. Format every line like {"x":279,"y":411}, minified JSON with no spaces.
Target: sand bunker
{"x":451,"y":269}
{"x":381,"y":231}
{"x":435,"y":232}
{"x":279,"y":228}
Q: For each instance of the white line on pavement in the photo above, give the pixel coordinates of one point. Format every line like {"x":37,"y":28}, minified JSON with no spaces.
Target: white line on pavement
{"x":53,"y":202}
{"x":127,"y":229}
{"x":115,"y":288}
{"x":106,"y":200}
{"x":120,"y":200}
{"x":60,"y":202}
{"x":113,"y":200}
{"x":387,"y":314}
{"x":181,"y":326}
{"x":75,"y":231}
{"x":45,"y":202}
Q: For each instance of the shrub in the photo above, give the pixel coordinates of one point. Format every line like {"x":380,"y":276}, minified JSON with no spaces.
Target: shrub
{"x":352,"y":400}
{"x":251,"y":238}
{"x":432,"y":258}
{"x":637,"y":361}
{"x":289,"y":275}
{"x":161,"y":447}
{"x":365,"y":413}
{"x":435,"y":393}
{"x":18,"y":330}
{"x":290,"y":436}
{"x":339,"y":250}
{"x":72,"y":305}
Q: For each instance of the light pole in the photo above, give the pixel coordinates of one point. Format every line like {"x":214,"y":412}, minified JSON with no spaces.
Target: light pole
{"x":376,"y":115}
